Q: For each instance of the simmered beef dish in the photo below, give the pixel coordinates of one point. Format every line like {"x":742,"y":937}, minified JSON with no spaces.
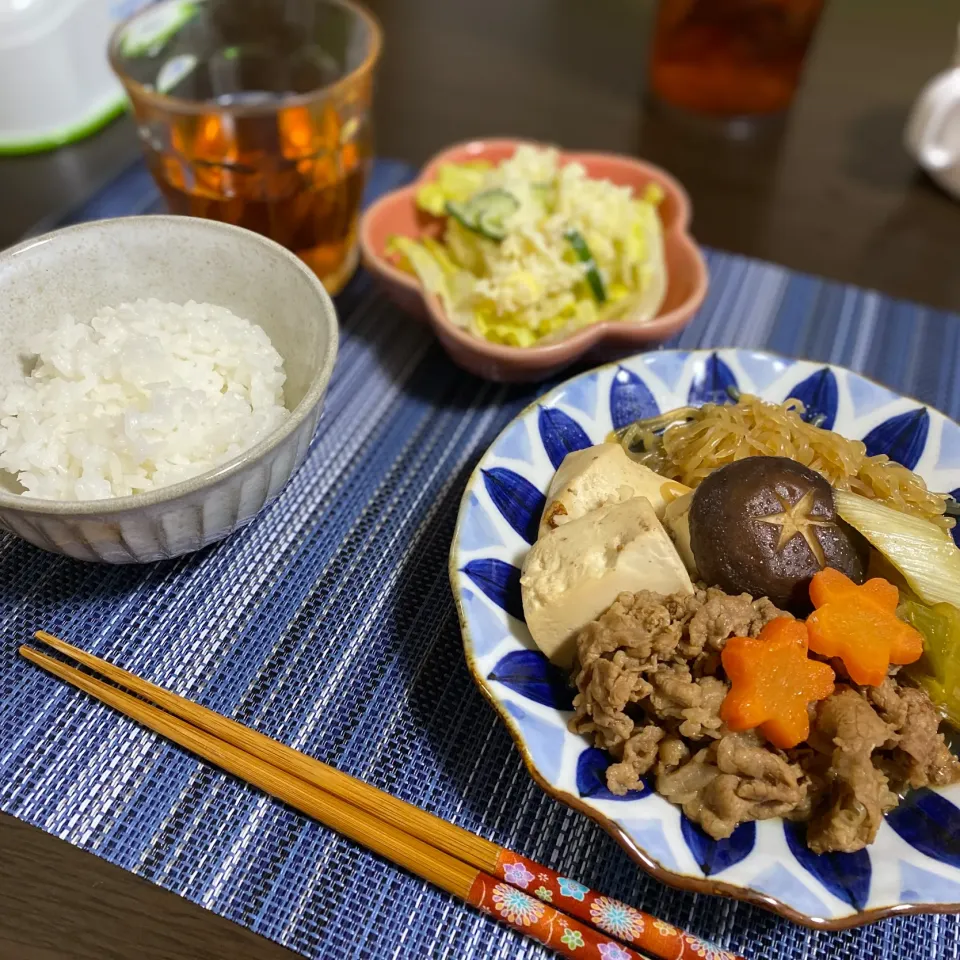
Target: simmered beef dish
{"x":761,"y":619}
{"x":650,"y":685}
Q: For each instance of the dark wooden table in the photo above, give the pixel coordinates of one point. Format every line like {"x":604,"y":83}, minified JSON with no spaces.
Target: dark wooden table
{"x":829,"y":190}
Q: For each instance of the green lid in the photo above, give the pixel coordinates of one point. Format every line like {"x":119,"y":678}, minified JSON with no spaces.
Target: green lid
{"x":62,"y":136}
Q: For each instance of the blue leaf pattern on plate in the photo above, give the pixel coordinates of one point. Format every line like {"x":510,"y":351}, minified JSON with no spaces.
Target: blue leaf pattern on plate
{"x":760,"y":369}
{"x":532,"y":675}
{"x":666,"y":365}
{"x":923,"y":886}
{"x":542,"y":738}
{"x":581,"y":394}
{"x":867,"y":396}
{"x":561,"y":434}
{"x":649,"y":836}
{"x":930,"y":824}
{"x":500,"y":581}
{"x":783,"y":883}
{"x":713,"y":384}
{"x":515,"y":443}
{"x":820,"y":397}
{"x":592,"y":777}
{"x":901,"y":438}
{"x":716,"y":855}
{"x":845,"y":875}
{"x":520,"y":502}
{"x":630,"y":399}
{"x":478,"y":527}
{"x":487,"y":627}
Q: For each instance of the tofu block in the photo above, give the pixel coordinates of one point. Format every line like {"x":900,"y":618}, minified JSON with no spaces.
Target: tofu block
{"x":573,"y":573}
{"x":676,"y":518}
{"x":599,"y":475}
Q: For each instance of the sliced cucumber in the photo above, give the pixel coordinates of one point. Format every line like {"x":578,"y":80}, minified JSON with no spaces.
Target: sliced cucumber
{"x":461,"y":213}
{"x":493,"y":208}
{"x":486,"y":212}
{"x":580,"y":248}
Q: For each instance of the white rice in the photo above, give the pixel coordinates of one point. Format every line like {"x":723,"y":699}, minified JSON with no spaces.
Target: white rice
{"x":143,"y":395}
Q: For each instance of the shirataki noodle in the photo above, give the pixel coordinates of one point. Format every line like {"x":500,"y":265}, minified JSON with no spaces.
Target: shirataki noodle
{"x":717,"y":434}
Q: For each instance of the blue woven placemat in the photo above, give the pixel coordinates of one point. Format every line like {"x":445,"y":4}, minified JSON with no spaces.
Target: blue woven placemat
{"x":328,"y":623}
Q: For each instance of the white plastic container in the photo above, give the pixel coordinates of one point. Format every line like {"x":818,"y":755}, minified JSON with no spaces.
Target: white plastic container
{"x":932,"y":135}
{"x":55,"y":83}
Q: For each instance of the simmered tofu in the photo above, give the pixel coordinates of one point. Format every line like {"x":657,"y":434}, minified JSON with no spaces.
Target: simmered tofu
{"x":575,"y":571}
{"x":676,"y":518}
{"x":599,"y":475}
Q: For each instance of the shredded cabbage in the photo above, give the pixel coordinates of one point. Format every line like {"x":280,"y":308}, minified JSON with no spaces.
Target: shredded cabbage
{"x":529,"y":286}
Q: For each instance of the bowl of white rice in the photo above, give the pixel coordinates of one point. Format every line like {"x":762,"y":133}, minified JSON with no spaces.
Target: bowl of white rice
{"x":161,"y":379}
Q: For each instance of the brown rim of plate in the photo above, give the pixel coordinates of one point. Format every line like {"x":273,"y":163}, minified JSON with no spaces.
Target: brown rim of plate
{"x":677,"y":880}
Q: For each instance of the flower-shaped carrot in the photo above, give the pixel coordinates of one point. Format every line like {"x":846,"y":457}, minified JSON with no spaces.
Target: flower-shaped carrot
{"x":860,"y":626}
{"x":771,"y":682}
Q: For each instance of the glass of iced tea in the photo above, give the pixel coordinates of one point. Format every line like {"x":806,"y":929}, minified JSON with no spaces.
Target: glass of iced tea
{"x":257,"y":113}
{"x":731,"y":58}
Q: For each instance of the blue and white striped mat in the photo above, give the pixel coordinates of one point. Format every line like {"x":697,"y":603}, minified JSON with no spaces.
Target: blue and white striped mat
{"x":328,"y":623}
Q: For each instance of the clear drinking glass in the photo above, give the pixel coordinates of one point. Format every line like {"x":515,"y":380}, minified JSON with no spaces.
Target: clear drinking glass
{"x":257,"y":113}
{"x":731,"y":58}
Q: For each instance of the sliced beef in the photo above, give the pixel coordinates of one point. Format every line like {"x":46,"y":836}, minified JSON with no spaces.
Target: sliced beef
{"x":607,"y":687}
{"x":640,"y":753}
{"x":859,"y":797}
{"x":846,"y":721}
{"x":918,"y":757}
{"x":849,"y":731}
{"x":703,"y":718}
{"x":650,"y":686}
{"x":695,"y":703}
{"x":721,"y":616}
{"x":644,"y":625}
{"x":685,"y":785}
{"x":736,"y":779}
{"x":639,"y":650}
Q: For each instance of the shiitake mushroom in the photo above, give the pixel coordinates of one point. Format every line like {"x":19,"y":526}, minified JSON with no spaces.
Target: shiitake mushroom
{"x":765,"y":526}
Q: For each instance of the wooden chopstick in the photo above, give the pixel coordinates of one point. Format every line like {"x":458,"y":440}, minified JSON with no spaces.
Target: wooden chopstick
{"x":487,"y":858}
{"x":418,"y":823}
{"x":520,"y":911}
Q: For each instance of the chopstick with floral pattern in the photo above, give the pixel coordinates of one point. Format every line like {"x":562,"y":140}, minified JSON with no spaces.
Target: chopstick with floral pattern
{"x":538,"y":920}
{"x":527,"y":895}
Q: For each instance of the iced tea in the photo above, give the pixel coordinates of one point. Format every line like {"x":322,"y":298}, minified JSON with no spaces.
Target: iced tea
{"x":258,"y":115}
{"x":731,"y":57}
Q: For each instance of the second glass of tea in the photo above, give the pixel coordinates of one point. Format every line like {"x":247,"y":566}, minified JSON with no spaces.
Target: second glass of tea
{"x":731,"y":58}
{"x":257,"y":113}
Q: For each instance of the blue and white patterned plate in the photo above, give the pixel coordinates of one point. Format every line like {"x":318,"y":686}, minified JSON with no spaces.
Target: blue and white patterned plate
{"x":914,"y":865}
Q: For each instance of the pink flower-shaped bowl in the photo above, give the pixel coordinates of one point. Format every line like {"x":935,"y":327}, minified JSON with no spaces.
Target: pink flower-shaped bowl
{"x":396,"y":213}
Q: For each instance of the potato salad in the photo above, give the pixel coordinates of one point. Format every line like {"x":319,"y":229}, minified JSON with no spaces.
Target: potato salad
{"x":533,"y":249}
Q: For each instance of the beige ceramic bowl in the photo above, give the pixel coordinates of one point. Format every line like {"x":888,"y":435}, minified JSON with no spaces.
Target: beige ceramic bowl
{"x":82,"y":269}
{"x":397,"y":213}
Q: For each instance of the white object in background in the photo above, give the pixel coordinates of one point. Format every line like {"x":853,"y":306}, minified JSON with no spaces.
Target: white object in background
{"x":933,"y":130}
{"x":55,"y":83}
